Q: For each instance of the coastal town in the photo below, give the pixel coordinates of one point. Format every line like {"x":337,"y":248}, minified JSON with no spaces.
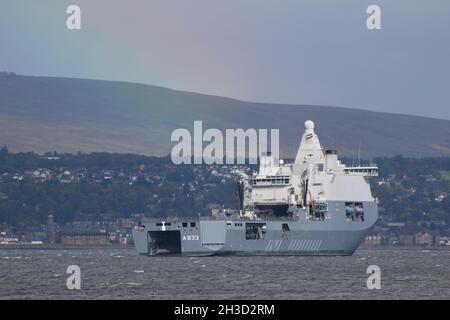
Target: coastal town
{"x":118,"y":233}
{"x":63,"y":200}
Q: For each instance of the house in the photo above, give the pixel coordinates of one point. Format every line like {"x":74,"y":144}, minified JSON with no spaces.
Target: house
{"x":85,"y":238}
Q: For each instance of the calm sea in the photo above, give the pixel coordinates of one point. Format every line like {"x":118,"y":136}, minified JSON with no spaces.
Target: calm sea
{"x":123,"y":274}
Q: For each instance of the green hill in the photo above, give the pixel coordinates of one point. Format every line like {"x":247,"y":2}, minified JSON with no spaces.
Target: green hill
{"x":45,"y":114}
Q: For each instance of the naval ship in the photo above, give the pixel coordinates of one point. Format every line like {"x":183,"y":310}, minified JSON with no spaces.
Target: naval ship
{"x":313,"y":206}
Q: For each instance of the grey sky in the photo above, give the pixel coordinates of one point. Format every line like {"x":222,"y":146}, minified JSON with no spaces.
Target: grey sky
{"x":302,"y":52}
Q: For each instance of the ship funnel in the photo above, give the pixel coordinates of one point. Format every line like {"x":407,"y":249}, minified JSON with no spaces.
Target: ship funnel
{"x":331,"y":161}
{"x":267,"y":165}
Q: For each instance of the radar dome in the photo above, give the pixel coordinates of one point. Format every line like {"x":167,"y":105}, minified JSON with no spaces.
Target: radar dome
{"x":309,"y":125}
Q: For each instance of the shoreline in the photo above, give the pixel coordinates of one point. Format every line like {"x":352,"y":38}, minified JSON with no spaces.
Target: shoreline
{"x":382,"y":247}
{"x":58,"y":246}
{"x":30,"y":246}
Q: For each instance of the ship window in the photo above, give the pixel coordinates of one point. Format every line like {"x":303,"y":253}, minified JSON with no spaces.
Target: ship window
{"x":184,"y":224}
{"x":255,"y":231}
{"x":192,"y":224}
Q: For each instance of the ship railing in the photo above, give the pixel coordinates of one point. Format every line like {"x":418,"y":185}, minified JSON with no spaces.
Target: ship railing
{"x":212,"y":218}
{"x":370,"y":170}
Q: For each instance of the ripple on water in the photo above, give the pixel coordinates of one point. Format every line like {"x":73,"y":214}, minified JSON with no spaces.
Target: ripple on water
{"x":109,"y":277}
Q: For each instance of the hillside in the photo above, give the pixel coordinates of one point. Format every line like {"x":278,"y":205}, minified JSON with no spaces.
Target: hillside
{"x":69,"y":115}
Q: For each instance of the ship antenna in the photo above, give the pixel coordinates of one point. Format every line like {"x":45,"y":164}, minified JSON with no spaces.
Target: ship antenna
{"x":293,"y":149}
{"x":359,"y":154}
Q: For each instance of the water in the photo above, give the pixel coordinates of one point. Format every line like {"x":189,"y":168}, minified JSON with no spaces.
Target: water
{"x":123,"y":274}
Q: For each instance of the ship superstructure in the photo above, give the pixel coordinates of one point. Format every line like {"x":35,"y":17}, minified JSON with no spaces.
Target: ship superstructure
{"x":315,"y":205}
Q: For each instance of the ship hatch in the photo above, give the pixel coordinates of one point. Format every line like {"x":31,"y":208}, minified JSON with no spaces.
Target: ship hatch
{"x":164,"y":242}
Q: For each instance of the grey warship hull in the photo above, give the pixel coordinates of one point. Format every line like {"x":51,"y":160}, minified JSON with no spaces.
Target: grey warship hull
{"x":313,"y":206}
{"x":335,"y":235}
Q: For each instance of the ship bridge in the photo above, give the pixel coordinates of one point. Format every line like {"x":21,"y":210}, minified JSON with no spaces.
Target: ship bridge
{"x":369,"y":171}
{"x":270,"y":180}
